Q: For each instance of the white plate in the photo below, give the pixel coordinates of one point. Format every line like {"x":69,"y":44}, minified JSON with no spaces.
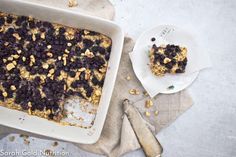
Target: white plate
{"x":36,"y":125}
{"x":164,"y":34}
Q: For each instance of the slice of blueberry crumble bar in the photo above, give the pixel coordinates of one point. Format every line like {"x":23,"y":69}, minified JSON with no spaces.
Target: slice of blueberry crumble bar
{"x":167,"y":59}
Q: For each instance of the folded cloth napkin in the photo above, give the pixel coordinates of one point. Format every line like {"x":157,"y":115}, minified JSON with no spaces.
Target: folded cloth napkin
{"x":118,"y":136}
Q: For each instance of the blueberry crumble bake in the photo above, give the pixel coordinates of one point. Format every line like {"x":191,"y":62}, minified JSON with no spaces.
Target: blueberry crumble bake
{"x":42,"y":64}
{"x":168,"y":59}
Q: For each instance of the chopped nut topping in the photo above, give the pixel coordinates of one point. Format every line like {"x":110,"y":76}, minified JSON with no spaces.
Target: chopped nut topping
{"x":69,"y":44}
{"x":134,"y":92}
{"x":17,"y":36}
{"x":45,"y":66}
{"x":15,"y":56}
{"x":23,"y":59}
{"x":49,"y":46}
{"x":10,"y":66}
{"x":156,"y":113}
{"x":89,"y":53}
{"x":10,"y":58}
{"x":148,"y":114}
{"x":32,"y":58}
{"x":98,"y":92}
{"x":14,"y":62}
{"x":33,"y":37}
{"x":19,"y":51}
{"x":49,"y":54}
{"x":128,"y":78}
{"x":145,"y":93}
{"x":5,"y":94}
{"x":51,"y":71}
{"x":148,"y":103}
{"x":66,"y":51}
{"x":13,"y":87}
{"x":42,"y":36}
{"x":72,"y":3}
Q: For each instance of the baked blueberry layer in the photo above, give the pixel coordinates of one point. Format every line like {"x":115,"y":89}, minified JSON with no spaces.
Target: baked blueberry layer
{"x":168,"y":59}
{"x":43,"y":63}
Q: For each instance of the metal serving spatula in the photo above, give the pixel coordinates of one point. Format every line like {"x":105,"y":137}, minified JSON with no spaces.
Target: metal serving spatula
{"x":148,"y":141}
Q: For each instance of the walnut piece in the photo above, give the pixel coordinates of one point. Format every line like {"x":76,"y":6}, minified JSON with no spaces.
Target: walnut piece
{"x":72,"y":3}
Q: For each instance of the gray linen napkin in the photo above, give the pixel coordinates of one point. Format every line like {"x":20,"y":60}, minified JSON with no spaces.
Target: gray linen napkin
{"x":118,"y":136}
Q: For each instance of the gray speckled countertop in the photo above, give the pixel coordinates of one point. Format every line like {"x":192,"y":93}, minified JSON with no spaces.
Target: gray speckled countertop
{"x":208,"y":129}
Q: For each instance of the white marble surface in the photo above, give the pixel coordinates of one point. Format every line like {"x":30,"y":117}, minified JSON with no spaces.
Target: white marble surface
{"x":208,"y":129}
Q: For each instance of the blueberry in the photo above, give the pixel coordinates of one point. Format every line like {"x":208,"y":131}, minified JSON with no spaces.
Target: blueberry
{"x":40,"y":71}
{"x":98,"y":41}
{"x":33,"y":71}
{"x":9,"y":19}
{"x":75,"y":84}
{"x":80,"y":95}
{"x":153,"y":39}
{"x":185,"y":62}
{"x":50,"y":116}
{"x":177,"y":49}
{"x":16,"y":71}
{"x":99,"y":49}
{"x":42,"y":29}
{"x":10,"y":30}
{"x":95,"y":81}
{"x":179,"y":71}
{"x":1,"y":96}
{"x":169,"y":65}
{"x":38,"y":24}
{"x":9,"y":93}
{"x":173,"y":54}
{"x":2,"y":21}
{"x":32,"y":24}
{"x":72,"y":74}
{"x":24,"y":106}
{"x":89,"y":91}
{"x":70,"y":92}
{"x":66,"y":69}
{"x":6,"y":85}
{"x":87,"y":43}
{"x":78,"y":37}
{"x":62,"y":30}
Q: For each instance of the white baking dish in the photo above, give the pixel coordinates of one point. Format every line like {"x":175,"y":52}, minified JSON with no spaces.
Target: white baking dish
{"x":23,"y":121}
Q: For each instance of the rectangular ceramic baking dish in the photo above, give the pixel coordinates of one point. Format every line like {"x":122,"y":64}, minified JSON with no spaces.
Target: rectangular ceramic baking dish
{"x":13,"y":119}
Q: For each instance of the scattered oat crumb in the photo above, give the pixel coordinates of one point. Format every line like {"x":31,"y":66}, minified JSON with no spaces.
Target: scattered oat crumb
{"x":156,"y":113}
{"x":148,"y":103}
{"x":55,"y":144}
{"x":48,"y":152}
{"x":26,"y":142}
{"x":148,"y":114}
{"x":72,"y":3}
{"x":134,"y":92}
{"x":24,"y":136}
{"x":11,"y":138}
{"x":145,"y":93}
{"x":128,"y":78}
